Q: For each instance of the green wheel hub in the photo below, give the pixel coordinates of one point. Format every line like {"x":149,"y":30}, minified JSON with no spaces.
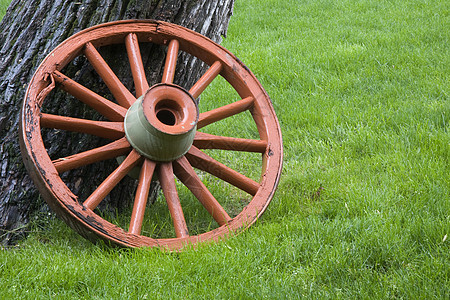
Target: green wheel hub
{"x":161,"y":124}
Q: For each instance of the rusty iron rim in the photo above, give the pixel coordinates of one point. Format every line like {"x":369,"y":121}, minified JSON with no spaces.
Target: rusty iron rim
{"x":79,"y":214}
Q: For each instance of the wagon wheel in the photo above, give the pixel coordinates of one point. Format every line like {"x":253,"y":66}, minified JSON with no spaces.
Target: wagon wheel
{"x":155,"y":130}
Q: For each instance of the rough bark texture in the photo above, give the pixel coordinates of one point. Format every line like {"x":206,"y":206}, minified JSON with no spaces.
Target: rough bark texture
{"x":28,"y":32}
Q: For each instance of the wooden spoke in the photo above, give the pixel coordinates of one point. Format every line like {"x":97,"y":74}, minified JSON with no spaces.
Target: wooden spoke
{"x":112,"y":180}
{"x":106,"y":108}
{"x":108,"y":130}
{"x":206,"y":79}
{"x":119,"y":91}
{"x":187,"y":175}
{"x":202,"y":161}
{"x":111,"y":150}
{"x":209,"y":141}
{"x":167,"y":180}
{"x":137,"y":67}
{"x":223,"y":112}
{"x":171,"y":62}
{"x":140,"y":200}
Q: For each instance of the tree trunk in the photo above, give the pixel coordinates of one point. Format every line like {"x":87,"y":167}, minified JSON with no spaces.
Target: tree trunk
{"x":28,"y":32}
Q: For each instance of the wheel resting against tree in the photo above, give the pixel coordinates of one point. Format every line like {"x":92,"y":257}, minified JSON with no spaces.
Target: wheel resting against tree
{"x":213,"y":185}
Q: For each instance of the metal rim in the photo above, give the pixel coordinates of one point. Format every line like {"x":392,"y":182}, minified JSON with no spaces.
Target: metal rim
{"x":81,"y":215}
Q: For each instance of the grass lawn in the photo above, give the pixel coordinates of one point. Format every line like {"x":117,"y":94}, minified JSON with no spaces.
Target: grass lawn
{"x":361,"y":90}
{"x":3,"y":6}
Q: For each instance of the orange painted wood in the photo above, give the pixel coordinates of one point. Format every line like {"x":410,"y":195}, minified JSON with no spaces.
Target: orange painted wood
{"x":167,"y":180}
{"x":208,"y":141}
{"x":171,"y":62}
{"x":204,"y":162}
{"x":206,"y":79}
{"x":137,"y":67}
{"x":223,"y":112}
{"x":108,"y":130}
{"x":111,"y":150}
{"x":112,"y":180}
{"x":187,"y":175}
{"x":122,"y":95}
{"x":105,"y":107}
{"x":140,"y":200}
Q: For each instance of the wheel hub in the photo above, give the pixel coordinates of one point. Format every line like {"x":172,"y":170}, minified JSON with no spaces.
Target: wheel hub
{"x":161,"y":124}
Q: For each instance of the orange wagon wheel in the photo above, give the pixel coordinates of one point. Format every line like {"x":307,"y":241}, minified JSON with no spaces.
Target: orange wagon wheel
{"x":157,"y":131}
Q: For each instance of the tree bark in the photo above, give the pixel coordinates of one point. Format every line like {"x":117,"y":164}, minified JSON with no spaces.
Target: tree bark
{"x":28,"y":32}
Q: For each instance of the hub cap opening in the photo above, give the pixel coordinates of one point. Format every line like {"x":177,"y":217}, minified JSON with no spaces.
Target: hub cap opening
{"x":169,"y":112}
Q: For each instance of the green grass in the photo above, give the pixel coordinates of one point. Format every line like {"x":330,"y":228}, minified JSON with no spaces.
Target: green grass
{"x":3,"y":6}
{"x":362,"y":209}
